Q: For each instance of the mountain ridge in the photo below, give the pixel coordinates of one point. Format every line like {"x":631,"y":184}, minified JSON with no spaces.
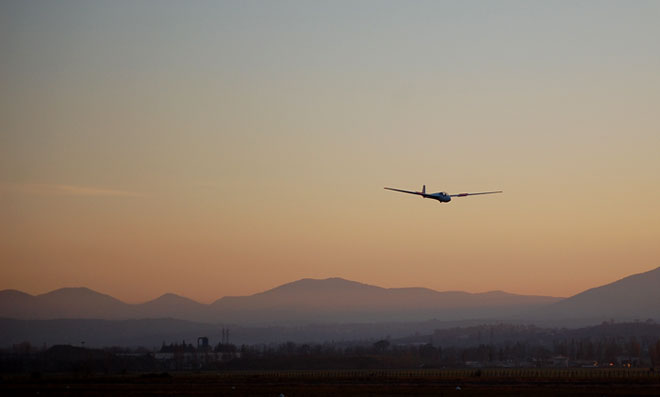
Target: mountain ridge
{"x":338,"y":300}
{"x":300,"y":301}
{"x":65,"y":290}
{"x":634,"y":297}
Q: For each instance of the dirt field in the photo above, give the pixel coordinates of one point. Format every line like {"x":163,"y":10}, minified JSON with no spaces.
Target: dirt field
{"x":509,"y":382}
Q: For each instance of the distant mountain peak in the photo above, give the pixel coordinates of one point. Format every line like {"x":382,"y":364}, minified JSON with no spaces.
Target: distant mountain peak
{"x":329,"y":280}
{"x":497,"y":292}
{"x":341,"y":300}
{"x":72,"y":290}
{"x":13,"y":292}
{"x":315,"y":284}
{"x":634,"y":282}
{"x":80,"y":295}
{"x":170,"y":297}
{"x":632,"y":297}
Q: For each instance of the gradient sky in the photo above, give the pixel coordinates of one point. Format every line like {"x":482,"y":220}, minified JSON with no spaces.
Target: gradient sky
{"x":223,"y":148}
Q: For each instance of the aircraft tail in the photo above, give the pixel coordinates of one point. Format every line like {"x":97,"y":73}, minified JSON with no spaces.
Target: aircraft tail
{"x":423,"y":189}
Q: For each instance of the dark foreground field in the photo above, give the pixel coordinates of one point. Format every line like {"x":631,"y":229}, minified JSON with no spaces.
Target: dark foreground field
{"x":496,"y":382}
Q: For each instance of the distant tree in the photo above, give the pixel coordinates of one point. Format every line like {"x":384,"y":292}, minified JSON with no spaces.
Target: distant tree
{"x":612,"y":350}
{"x":381,"y":345}
{"x":634,"y":347}
{"x":287,"y":348}
{"x":428,"y":352}
{"x":225,"y":348}
{"x":22,"y":348}
{"x":654,"y":353}
{"x":304,"y":349}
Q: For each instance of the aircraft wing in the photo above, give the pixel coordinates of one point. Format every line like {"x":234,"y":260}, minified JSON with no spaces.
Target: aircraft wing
{"x":473,"y":194}
{"x":405,"y":191}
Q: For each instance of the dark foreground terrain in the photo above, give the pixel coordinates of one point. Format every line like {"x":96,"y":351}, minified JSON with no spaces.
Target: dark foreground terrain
{"x":486,"y":382}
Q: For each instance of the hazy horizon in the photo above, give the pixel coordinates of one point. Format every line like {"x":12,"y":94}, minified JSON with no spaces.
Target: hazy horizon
{"x":257,"y":292}
{"x":222,"y":148}
{"x":274,"y":287}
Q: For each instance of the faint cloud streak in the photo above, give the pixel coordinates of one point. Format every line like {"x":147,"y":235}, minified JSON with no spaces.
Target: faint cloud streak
{"x":66,"y":190}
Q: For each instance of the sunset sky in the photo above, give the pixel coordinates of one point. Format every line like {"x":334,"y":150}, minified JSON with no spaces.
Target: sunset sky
{"x":223,"y":148}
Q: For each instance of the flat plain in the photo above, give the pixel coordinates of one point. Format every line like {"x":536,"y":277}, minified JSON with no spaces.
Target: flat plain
{"x":485,"y":382}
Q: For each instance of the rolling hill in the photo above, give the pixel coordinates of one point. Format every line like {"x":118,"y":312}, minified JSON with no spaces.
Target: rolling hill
{"x":300,"y":302}
{"x":340,"y":300}
{"x":309,"y":310}
{"x":636,"y":297}
{"x":336,"y":300}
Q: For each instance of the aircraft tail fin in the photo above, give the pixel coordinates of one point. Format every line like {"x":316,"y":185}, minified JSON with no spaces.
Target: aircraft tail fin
{"x":423,"y":189}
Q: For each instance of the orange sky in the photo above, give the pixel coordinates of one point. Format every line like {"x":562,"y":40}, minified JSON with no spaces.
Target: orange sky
{"x":226,"y":148}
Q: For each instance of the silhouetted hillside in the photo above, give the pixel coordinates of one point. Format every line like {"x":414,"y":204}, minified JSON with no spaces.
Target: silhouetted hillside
{"x":82,"y":303}
{"x":63,"y":303}
{"x":148,"y":332}
{"x":635,"y":297}
{"x":302,"y":302}
{"x":173,"y":306}
{"x":499,"y":334}
{"x":339,"y":300}
{"x":17,"y":304}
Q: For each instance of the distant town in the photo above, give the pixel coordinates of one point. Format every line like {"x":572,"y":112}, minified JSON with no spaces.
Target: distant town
{"x":609,"y":345}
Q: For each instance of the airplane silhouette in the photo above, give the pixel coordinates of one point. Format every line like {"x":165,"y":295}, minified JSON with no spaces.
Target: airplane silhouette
{"x":442,"y":197}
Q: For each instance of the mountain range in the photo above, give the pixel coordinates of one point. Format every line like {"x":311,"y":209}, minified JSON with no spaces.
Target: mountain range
{"x":300,"y":302}
{"x":636,"y":297}
{"x":336,"y":300}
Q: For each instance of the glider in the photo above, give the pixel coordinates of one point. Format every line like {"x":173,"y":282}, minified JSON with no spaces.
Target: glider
{"x":442,"y":197}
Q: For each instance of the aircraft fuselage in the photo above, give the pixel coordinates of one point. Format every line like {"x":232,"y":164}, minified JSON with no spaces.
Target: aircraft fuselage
{"x":441,"y":197}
